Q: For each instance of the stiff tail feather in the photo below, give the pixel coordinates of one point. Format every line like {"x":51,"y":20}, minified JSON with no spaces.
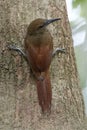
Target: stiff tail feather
{"x":44,"y":94}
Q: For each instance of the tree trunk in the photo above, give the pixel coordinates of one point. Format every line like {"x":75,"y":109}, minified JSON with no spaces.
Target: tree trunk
{"x":19,"y":107}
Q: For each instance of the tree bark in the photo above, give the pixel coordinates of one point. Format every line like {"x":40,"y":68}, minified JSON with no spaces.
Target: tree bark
{"x":19,"y":107}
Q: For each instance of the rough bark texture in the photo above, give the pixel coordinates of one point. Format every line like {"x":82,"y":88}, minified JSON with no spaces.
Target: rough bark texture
{"x":19,"y":107}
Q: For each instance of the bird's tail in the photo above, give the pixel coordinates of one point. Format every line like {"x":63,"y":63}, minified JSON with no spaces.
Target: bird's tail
{"x":44,"y":94}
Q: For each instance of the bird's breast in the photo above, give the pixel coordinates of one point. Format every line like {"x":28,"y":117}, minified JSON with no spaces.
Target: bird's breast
{"x":40,"y":56}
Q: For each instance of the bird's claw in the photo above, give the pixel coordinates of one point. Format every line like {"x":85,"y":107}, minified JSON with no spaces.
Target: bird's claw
{"x":15,"y":48}
{"x":59,"y":50}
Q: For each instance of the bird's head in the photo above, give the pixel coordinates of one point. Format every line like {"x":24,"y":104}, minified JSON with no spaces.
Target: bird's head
{"x":40,"y":24}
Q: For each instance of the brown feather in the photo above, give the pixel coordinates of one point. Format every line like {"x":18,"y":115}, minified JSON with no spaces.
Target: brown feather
{"x":44,"y":94}
{"x":39,"y":49}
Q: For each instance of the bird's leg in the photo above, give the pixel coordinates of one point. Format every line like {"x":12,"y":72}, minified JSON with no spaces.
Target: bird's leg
{"x":15,"y":48}
{"x":58,"y":50}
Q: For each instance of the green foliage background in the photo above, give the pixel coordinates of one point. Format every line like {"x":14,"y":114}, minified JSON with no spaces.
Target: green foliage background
{"x":83,"y":6}
{"x":81,"y":50}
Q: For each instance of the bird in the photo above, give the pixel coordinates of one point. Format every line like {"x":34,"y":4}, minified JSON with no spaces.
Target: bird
{"x":38,"y":45}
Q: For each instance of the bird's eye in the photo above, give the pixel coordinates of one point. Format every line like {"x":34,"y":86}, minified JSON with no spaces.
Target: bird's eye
{"x":40,"y":26}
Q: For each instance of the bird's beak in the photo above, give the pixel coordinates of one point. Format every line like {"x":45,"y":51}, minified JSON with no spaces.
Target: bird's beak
{"x":47,"y":22}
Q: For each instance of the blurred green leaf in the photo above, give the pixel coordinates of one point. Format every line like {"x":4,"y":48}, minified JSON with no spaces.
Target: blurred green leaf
{"x":76,"y":3}
{"x":83,"y":6}
{"x":81,"y":55}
